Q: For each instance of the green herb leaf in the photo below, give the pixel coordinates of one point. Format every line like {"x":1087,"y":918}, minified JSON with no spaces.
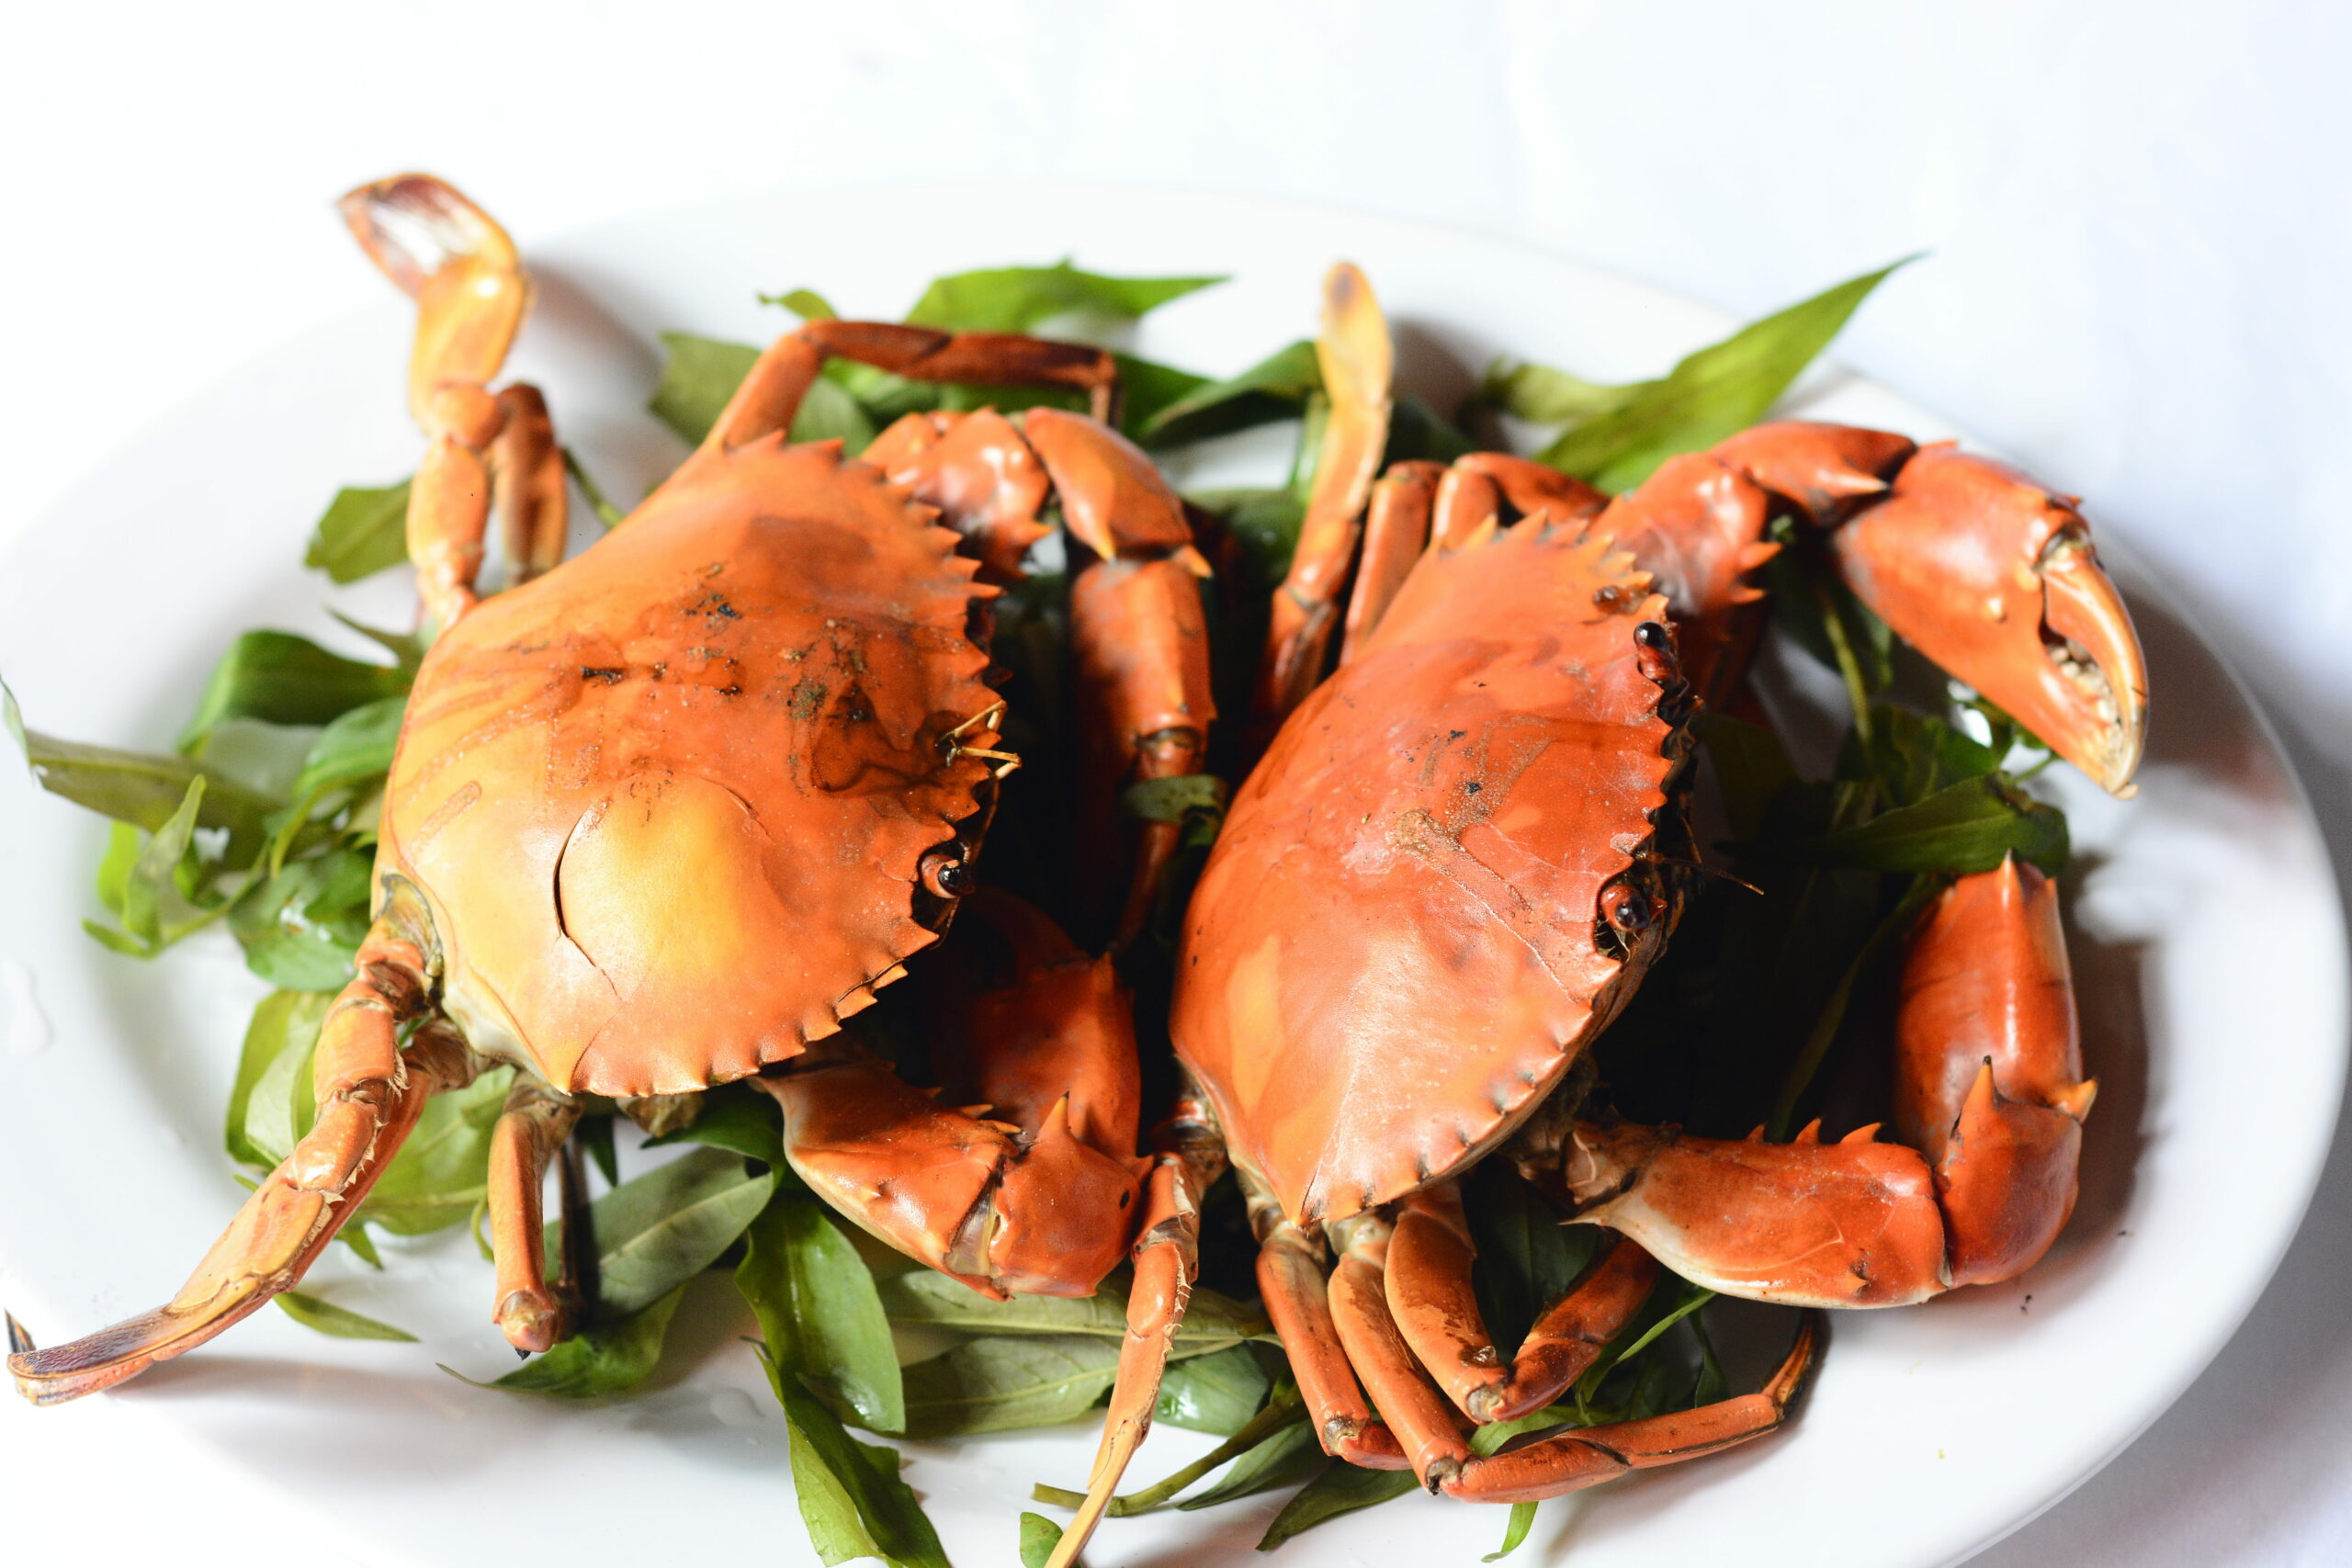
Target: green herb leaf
{"x":1020,"y":298}
{"x":1217,"y":1392}
{"x":1967,"y":828}
{"x":1751,"y":767}
{"x":362,"y":533}
{"x":1710,"y":395}
{"x":1419,"y":431}
{"x":12,"y":718}
{"x":1173,"y":799}
{"x":806,"y":303}
{"x":1339,"y":1488}
{"x":1212,"y":1322}
{"x":154,"y":875}
{"x":300,"y":928}
{"x":815,"y":1300}
{"x":443,"y":1170}
{"x":279,"y":677}
{"x":1146,"y":388}
{"x":852,"y":1501}
{"x":145,"y":790}
{"x":342,"y":1322}
{"x":1039,"y":1536}
{"x":663,"y":1227}
{"x":270,"y":1104}
{"x":1912,"y":755}
{"x":354,"y":749}
{"x":703,"y":373}
{"x":700,"y":375}
{"x":609,"y":1358}
{"x":1540,"y":395}
{"x":1004,"y":1381}
{"x":1273,"y":388}
{"x":1522,"y":1519}
{"x":1528,"y":1254}
{"x":741,"y":1118}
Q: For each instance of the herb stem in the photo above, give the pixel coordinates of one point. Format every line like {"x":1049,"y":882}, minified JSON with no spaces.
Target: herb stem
{"x":1256,"y":1431}
{"x":1833,"y":626}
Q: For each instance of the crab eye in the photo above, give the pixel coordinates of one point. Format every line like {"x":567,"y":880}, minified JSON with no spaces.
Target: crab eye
{"x":946,"y":875}
{"x":1627,"y":907}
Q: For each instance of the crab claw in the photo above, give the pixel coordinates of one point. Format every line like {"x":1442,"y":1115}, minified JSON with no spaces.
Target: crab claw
{"x":459,"y":266}
{"x":1993,"y":578}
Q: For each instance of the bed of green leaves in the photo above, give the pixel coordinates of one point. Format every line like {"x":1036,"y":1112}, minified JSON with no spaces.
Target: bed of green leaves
{"x":261,"y":819}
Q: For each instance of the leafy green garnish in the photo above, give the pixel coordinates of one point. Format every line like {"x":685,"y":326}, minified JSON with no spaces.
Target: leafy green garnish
{"x":300,"y":928}
{"x":1969,"y":827}
{"x":343,"y":1323}
{"x":662,"y":1228}
{"x":1212,"y":1322}
{"x":814,"y":1293}
{"x":280,"y":678}
{"x":1217,"y":1392}
{"x":362,"y":532}
{"x":1003,"y":1382}
{"x":443,"y":1170}
{"x":1623,"y":433}
{"x":610,"y":1358}
{"x":1273,"y":388}
{"x":1021,"y":298}
{"x":1338,"y":1488}
{"x":270,"y":1105}
{"x":1039,"y":1536}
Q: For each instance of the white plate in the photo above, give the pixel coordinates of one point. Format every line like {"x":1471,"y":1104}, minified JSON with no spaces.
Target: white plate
{"x":1930,"y":1431}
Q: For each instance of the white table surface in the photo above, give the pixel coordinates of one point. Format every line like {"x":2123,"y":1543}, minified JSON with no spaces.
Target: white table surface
{"x":2140,"y":246}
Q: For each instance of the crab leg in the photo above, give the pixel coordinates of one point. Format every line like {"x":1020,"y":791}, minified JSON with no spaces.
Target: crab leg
{"x":470,"y":292}
{"x":1396,"y":531}
{"x":1988,"y":1084}
{"x":1033,"y":1191}
{"x":529,"y":1130}
{"x":1436,"y":1311}
{"x":1358,"y":363}
{"x":1188,"y":1155}
{"x":1572,"y":1460}
{"x":370,"y":1091}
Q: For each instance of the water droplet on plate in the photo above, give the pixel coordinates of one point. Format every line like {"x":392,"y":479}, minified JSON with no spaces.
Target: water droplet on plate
{"x":24,"y":1028}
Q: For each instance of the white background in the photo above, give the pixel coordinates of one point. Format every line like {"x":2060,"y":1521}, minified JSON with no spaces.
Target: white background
{"x":2139,"y":283}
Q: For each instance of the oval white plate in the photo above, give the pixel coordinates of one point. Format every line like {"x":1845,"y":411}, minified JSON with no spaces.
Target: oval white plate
{"x":1929,"y":1432}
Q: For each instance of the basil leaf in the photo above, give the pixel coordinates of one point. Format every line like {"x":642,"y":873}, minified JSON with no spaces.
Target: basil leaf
{"x":354,"y":749}
{"x":696,"y":380}
{"x":1913,"y":755}
{"x":1039,"y":1536}
{"x":144,"y":789}
{"x":154,"y":876}
{"x":1270,"y":389}
{"x":301,"y":929}
{"x":1001,"y":1383}
{"x":1522,"y":1519}
{"x":1540,"y":395}
{"x":739,"y":1118}
{"x":1217,"y":1392}
{"x":1212,"y":1322}
{"x":1146,"y":388}
{"x":1527,"y":1254}
{"x":1751,"y":767}
{"x":271,"y":1103}
{"x":1290,"y":1456}
{"x":1020,"y":299}
{"x":279,"y":677}
{"x":816,"y":1302}
{"x":663,"y":1227}
{"x":1970,"y":827}
{"x":609,"y":1358}
{"x":342,"y":1322}
{"x":443,"y":1170}
{"x":805,"y":303}
{"x":702,"y":374}
{"x":852,"y":1500}
{"x":1339,"y":1488}
{"x":1709,"y":395}
{"x":362,"y":533}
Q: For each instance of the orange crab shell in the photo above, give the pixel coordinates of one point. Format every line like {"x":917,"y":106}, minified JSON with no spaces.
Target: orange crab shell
{"x":1391,"y":956}
{"x":666,"y":805}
